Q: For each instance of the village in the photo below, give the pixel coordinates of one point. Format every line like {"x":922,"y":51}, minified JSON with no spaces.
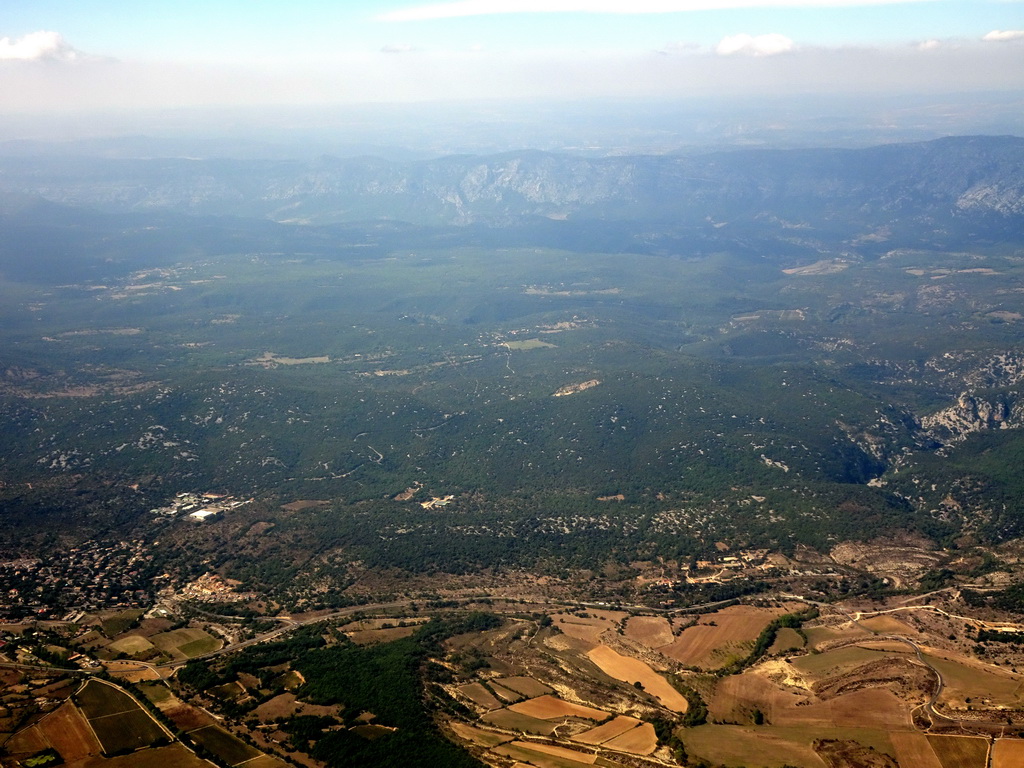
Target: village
{"x":199,"y":506}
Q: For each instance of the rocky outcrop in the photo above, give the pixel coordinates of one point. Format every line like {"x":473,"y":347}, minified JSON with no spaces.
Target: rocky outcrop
{"x":971,"y":414}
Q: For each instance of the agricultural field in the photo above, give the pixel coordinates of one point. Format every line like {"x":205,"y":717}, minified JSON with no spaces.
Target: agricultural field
{"x":588,"y":625}
{"x":551,"y":708}
{"x":120,"y":724}
{"x":515,"y":721}
{"x":186,"y":643}
{"x":132,"y":645}
{"x":652,"y":631}
{"x":285,"y":705}
{"x":171,"y":756}
{"x":64,"y":730}
{"x":545,"y":756}
{"x":913,"y":750}
{"x":641,"y":740}
{"x":787,"y":640}
{"x":526,"y":686}
{"x":97,"y":699}
{"x":607,"y":731}
{"x":887,"y":624}
{"x":127,"y":731}
{"x":630,"y":670}
{"x":116,"y":623}
{"x":971,"y":684}
{"x":223,"y":745}
{"x":1007,"y":753}
{"x":478,"y":735}
{"x":959,"y":751}
{"x":721,"y":637}
{"x":480,"y":696}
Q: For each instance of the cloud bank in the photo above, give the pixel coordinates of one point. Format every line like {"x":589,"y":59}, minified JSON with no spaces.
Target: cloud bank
{"x":37,"y":46}
{"x":1004,"y":35}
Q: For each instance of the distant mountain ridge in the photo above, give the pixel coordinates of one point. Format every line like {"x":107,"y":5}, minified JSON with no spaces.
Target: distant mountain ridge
{"x":951,"y":177}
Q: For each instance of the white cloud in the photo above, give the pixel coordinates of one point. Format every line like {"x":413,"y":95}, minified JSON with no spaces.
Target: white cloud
{"x":1004,"y":35}
{"x":397,"y":48}
{"x":929,"y":45}
{"x":37,"y":46}
{"x":754,"y":45}
{"x":461,"y":8}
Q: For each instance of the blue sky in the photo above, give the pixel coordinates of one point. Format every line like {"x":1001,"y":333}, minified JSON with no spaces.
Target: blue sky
{"x":240,"y":30}
{"x":67,"y":54}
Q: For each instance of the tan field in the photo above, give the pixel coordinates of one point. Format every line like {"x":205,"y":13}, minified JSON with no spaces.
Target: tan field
{"x":131,"y":671}
{"x":639,"y":741}
{"x":737,"y":696}
{"x":820,"y":637}
{"x":960,"y":751}
{"x":588,"y":629}
{"x":1008,"y":753}
{"x":719,"y":637}
{"x":887,"y":625}
{"x":67,"y":731}
{"x":609,"y":730}
{"x":547,"y":749}
{"x":286,"y":705}
{"x":652,"y":631}
{"x":753,"y":748}
{"x":914,"y":751}
{"x":970,"y":679}
{"x":478,"y":735}
{"x":480,"y":696}
{"x":550,"y":708}
{"x":830,"y":663}
{"x":131,"y":645}
{"x":786,"y":640}
{"x":871,"y":708}
{"x":529,"y":754}
{"x":28,"y":740}
{"x":505,"y":694}
{"x":631,"y":670}
{"x":527,"y":686}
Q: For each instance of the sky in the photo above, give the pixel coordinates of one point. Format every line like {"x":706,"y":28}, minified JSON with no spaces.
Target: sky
{"x":63,"y":56}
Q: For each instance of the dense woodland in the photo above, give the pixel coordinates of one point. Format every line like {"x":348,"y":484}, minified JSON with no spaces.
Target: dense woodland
{"x":774,"y":380}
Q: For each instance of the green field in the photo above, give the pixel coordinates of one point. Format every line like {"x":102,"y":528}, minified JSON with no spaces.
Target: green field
{"x":187,"y":642}
{"x":115,"y":625}
{"x":127,"y":731}
{"x":98,"y":699}
{"x":223,"y":745}
{"x":155,"y":692}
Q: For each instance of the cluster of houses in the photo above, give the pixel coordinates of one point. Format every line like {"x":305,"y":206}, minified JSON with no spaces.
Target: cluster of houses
{"x":199,"y":506}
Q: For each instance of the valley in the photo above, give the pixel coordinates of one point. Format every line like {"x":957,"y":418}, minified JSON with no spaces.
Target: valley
{"x":586,"y":474}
